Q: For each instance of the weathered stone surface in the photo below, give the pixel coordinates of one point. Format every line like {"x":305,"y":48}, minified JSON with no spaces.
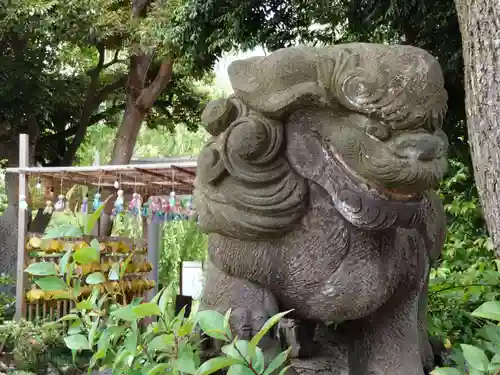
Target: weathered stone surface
{"x":316,"y":189}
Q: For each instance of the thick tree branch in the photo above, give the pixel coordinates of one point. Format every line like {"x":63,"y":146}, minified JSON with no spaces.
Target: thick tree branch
{"x":149,"y":94}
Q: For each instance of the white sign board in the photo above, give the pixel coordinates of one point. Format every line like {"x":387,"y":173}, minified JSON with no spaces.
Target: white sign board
{"x":192,"y":279}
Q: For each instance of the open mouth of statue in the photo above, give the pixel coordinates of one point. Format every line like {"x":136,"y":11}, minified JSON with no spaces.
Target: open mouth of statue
{"x":372,"y":187}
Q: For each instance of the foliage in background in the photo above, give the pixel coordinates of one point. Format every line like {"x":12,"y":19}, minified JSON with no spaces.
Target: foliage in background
{"x":7,"y":297}
{"x":182,"y":241}
{"x":34,"y":346}
{"x":152,"y":143}
{"x":467,"y":272}
{"x":465,"y":280}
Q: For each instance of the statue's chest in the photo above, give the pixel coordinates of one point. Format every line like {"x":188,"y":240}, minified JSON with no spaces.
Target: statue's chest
{"x":352,"y":273}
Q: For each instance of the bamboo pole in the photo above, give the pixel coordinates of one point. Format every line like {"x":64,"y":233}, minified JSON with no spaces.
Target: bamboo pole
{"x":102,"y":168}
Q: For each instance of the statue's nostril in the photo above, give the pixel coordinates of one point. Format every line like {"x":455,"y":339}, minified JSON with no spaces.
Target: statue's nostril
{"x":423,"y":147}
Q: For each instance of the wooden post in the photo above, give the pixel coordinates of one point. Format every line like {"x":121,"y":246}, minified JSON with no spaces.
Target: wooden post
{"x":21,"y":230}
{"x":154,"y":245}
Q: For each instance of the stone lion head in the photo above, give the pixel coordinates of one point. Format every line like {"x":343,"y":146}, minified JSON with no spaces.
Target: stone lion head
{"x":361,"y":120}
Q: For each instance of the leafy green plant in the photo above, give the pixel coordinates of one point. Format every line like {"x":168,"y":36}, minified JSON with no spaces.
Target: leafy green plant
{"x":32,"y":345}
{"x":6,"y":299}
{"x":467,"y":274}
{"x":482,"y":358}
{"x":114,"y":335}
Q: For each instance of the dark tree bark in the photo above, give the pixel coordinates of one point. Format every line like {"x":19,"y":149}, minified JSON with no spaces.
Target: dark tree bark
{"x":140,"y":99}
{"x":480,"y":28}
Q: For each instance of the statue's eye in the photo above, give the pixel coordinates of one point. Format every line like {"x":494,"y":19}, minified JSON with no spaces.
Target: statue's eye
{"x":378,"y":131}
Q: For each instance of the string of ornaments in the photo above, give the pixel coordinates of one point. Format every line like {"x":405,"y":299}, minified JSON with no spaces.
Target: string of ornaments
{"x":160,"y":207}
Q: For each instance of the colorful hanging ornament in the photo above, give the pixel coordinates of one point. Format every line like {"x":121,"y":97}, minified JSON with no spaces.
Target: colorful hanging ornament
{"x":172,"y":201}
{"x":97,"y":201}
{"x":60,"y":204}
{"x":145,"y":209}
{"x":23,"y":205}
{"x":156,"y":206}
{"x":85,"y":204}
{"x":116,"y":184}
{"x":38,"y":183}
{"x":97,"y":197}
{"x":48,"y":208}
{"x":119,"y":202}
{"x":164,"y":206}
{"x":133,"y":204}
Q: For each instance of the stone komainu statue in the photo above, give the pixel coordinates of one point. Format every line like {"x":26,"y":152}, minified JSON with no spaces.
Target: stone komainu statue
{"x":316,"y":192}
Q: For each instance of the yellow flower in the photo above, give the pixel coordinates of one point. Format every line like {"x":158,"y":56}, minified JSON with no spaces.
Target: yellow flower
{"x":447,"y":344}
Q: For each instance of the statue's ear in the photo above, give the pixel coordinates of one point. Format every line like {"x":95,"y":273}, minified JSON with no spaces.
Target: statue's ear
{"x":210,"y":165}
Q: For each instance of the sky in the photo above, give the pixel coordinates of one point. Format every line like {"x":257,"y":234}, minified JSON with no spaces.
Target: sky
{"x":221,"y":78}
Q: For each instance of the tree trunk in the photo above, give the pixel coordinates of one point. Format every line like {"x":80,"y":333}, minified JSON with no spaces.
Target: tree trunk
{"x":127,"y":133}
{"x":480,"y":28}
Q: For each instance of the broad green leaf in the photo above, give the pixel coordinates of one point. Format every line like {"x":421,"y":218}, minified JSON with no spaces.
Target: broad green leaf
{"x":494,"y":365}
{"x":130,"y":342}
{"x":114,"y":272}
{"x":270,"y":323}
{"x":124,"y":313}
{"x":158,"y":369}
{"x":123,"y":357}
{"x":277,"y":362}
{"x":488,"y":310}
{"x":125,"y":264}
{"x":86,"y":304}
{"x":185,"y":363}
{"x":75,"y":327}
{"x":63,"y":263}
{"x":239,"y":350}
{"x":146,"y":309}
{"x":475,"y":357}
{"x":76,"y":288}
{"x":490,"y":332}
{"x":446,"y":371}
{"x":166,"y":298}
{"x":86,"y":255}
{"x":94,"y":244}
{"x":239,"y":370}
{"x":69,"y":317}
{"x":93,"y":332}
{"x":185,"y":329}
{"x":51,"y":283}
{"x":162,"y":343}
{"x":76,"y":342}
{"x":216,"y":364}
{"x":212,"y":324}
{"x":64,"y":230}
{"x":235,"y":348}
{"x":95,"y":278}
{"x":42,"y":269}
